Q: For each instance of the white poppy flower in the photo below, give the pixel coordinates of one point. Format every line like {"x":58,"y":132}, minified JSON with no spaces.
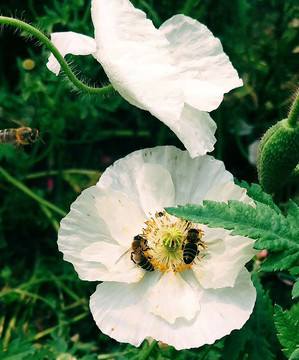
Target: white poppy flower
{"x":177,"y":72}
{"x":185,"y":296}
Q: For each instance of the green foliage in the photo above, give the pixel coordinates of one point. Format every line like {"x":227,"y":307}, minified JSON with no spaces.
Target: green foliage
{"x":287,"y":324}
{"x":257,"y":339}
{"x":41,"y":297}
{"x":272,"y":230}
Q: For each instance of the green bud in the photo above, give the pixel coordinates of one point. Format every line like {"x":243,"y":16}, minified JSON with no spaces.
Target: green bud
{"x":278,"y":155}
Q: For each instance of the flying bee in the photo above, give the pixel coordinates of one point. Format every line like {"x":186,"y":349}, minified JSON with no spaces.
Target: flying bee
{"x":190,"y":246}
{"x":22,"y":136}
{"x":138,"y":247}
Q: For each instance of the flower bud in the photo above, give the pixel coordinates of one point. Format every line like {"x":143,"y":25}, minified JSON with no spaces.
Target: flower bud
{"x":278,"y":155}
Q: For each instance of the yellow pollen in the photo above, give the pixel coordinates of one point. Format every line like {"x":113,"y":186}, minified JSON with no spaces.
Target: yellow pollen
{"x":166,"y":239}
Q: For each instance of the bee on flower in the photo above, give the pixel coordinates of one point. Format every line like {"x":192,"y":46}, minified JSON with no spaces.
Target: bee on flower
{"x":181,"y":283}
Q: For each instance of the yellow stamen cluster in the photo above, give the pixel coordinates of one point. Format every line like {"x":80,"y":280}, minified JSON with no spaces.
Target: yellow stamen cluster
{"x":166,"y":237}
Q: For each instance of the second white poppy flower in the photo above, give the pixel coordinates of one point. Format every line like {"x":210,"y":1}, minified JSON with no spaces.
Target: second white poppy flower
{"x":177,"y":72}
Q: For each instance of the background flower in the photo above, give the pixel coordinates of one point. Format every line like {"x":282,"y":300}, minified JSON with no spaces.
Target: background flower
{"x":180,"y":305}
{"x":177,"y":72}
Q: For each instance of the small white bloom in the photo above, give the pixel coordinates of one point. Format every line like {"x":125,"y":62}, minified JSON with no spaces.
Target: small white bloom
{"x":177,"y":72}
{"x":160,"y":287}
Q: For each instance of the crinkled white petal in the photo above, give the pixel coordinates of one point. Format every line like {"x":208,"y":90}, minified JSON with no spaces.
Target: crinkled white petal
{"x":202,"y":95}
{"x":70,"y":43}
{"x":122,"y":216}
{"x":173,"y":298}
{"x":199,"y":56}
{"x":225,"y":257}
{"x":196,"y":130}
{"x":136,"y":59}
{"x":155,"y":187}
{"x":192,"y":178}
{"x":228,"y":191}
{"x":118,"y":267}
{"x":122,"y":312}
{"x":82,"y":231}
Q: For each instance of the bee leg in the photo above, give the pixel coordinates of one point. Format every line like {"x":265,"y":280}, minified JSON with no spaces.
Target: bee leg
{"x":132,"y":254}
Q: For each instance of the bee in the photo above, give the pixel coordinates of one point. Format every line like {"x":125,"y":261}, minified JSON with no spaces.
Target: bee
{"x":190,"y":246}
{"x":138,"y":247}
{"x":22,"y":136}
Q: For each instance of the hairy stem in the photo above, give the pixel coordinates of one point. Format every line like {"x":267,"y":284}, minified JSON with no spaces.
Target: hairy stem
{"x":146,"y":353}
{"x":45,"y":41}
{"x":293,"y":118}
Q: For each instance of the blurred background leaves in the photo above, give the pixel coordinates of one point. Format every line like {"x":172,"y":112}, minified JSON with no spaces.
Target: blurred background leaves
{"x":43,"y":305}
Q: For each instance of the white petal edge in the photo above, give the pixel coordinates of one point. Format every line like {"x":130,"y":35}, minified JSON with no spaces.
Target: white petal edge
{"x":186,"y":173}
{"x":199,"y":56}
{"x":121,"y":311}
{"x":70,"y":43}
{"x":136,"y":59}
{"x":196,"y":131}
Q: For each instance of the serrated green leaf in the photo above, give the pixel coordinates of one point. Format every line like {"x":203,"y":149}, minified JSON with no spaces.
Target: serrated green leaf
{"x":287,"y":324}
{"x":272,"y":230}
{"x":293,"y":218}
{"x":256,"y":192}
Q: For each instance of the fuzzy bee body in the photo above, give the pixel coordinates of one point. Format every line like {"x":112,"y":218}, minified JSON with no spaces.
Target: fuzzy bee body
{"x":190,"y":246}
{"x":138,"y":247}
{"x":21,"y":136}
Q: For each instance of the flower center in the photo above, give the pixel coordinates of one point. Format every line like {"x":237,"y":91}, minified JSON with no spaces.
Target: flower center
{"x":172,"y":244}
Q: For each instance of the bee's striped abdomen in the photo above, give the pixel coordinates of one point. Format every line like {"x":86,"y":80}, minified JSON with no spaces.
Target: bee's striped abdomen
{"x":145,"y":264}
{"x":8,"y":136}
{"x":189,"y":252}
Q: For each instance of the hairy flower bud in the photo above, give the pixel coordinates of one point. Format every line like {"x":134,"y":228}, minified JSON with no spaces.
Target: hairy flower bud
{"x":278,"y":155}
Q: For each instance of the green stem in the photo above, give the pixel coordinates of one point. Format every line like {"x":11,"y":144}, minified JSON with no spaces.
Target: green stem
{"x":30,"y":193}
{"x":146,"y":353}
{"x":293,"y":118}
{"x":63,"y":172}
{"x":41,"y":37}
{"x":48,"y":331}
{"x":49,"y":215}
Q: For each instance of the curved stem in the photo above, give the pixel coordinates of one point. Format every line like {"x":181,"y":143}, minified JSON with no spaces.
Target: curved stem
{"x":293,"y":118}
{"x":30,"y":193}
{"x":145,"y":355}
{"x":42,"y":38}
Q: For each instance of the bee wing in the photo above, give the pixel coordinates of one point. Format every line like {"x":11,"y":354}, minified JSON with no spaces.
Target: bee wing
{"x":122,"y":256}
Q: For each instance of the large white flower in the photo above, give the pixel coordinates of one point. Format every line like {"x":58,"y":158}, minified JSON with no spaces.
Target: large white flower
{"x":177,"y":72}
{"x":161,"y":288}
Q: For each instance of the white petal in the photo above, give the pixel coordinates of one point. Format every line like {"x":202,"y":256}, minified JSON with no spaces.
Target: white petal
{"x":155,"y":187}
{"x":173,"y":298}
{"x":228,"y":191}
{"x":199,"y":56}
{"x":121,"y":311}
{"x":196,"y":130}
{"x":136,"y":59}
{"x":70,"y":43}
{"x":202,"y":95}
{"x":192,"y":178}
{"x":225,"y":256}
{"x":122,"y":216}
{"x":83,"y":231}
{"x":109,"y":256}
{"x":79,"y":229}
